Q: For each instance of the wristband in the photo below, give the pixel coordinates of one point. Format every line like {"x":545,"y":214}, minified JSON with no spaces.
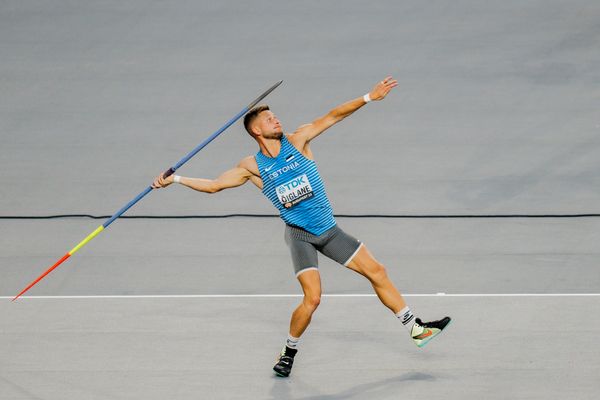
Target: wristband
{"x":367,"y":98}
{"x":176,"y":178}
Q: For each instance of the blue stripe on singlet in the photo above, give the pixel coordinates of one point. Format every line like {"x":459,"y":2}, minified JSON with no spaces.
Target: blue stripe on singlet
{"x":313,"y":214}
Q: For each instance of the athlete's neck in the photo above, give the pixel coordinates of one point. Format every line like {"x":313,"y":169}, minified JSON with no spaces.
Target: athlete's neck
{"x":269,"y":147}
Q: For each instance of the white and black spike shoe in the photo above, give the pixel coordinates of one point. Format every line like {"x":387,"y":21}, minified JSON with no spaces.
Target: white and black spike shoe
{"x":423,"y":332}
{"x":285,"y":361}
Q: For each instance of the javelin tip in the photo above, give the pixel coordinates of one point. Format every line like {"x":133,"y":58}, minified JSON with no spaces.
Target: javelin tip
{"x":265,"y":94}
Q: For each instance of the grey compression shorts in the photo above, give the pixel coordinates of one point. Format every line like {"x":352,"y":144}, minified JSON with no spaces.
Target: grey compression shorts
{"x":333,"y":243}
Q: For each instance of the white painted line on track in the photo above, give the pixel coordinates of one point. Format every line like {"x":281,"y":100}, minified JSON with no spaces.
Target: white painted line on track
{"x":248,"y":296}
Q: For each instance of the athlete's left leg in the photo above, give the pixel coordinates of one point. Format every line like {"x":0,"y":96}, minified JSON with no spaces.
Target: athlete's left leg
{"x":421,"y":332}
{"x":365,"y":264}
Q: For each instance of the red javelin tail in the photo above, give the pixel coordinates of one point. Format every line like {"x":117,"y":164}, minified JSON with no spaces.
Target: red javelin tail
{"x":43,"y":275}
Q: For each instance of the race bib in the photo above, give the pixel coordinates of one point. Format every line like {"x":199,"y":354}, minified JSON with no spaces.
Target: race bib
{"x":294,"y":191}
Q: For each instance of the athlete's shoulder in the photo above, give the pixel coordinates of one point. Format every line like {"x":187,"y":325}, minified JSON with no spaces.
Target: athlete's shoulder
{"x":299,"y":133}
{"x":298,"y":140}
{"x":250,"y":164}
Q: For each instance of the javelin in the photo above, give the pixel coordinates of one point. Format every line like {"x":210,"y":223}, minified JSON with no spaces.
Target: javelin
{"x":167,"y":173}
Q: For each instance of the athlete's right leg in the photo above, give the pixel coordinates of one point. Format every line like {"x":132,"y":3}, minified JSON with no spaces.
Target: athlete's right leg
{"x":310,"y":280}
{"x":305,"y":261}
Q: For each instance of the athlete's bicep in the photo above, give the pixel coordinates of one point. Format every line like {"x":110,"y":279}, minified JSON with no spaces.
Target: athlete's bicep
{"x":249,"y":164}
{"x":229,"y":179}
{"x":257,"y":181}
{"x":310,"y":131}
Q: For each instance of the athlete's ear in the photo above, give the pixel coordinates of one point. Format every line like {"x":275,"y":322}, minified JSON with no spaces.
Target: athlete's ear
{"x":256,"y":131}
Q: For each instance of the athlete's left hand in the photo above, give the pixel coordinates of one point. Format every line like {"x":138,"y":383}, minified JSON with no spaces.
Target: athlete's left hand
{"x":383,"y":88}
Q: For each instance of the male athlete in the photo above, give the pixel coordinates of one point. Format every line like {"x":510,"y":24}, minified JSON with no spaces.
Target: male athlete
{"x":285,"y":171}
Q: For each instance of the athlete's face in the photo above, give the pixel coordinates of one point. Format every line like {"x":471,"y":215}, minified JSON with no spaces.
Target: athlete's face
{"x":268,"y":125}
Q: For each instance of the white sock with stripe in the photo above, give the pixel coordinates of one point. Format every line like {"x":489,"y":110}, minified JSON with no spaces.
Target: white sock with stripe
{"x":407,"y":318}
{"x":292,"y":342}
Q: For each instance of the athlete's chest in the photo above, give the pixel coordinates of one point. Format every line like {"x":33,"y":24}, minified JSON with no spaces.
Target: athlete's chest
{"x":286,"y":164}
{"x":289,"y":179}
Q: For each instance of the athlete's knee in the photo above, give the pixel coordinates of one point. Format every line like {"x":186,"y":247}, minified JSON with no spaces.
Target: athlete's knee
{"x":312,"y":301}
{"x":376,"y":272}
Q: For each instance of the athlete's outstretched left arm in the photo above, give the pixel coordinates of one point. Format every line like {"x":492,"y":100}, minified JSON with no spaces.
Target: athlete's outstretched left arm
{"x":310,"y":131}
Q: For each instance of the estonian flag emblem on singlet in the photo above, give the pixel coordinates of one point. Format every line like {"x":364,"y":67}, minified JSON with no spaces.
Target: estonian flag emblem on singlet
{"x":289,"y":158}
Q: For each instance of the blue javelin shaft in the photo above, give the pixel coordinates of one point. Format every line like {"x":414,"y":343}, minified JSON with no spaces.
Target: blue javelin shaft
{"x":191,"y":154}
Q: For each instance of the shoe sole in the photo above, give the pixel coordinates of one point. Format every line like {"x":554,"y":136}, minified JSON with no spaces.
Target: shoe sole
{"x":424,"y":342}
{"x":281,"y":375}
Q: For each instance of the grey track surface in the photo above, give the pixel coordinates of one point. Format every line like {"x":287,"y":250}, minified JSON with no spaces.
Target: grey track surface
{"x":247,"y":256}
{"x":497,"y":109}
{"x":223,"y":349}
{"x":497,"y":112}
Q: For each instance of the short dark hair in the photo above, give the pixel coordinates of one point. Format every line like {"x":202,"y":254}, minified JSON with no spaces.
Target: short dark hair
{"x":252,"y":114}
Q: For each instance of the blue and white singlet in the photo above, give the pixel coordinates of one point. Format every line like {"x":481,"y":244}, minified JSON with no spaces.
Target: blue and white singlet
{"x":294,"y":186}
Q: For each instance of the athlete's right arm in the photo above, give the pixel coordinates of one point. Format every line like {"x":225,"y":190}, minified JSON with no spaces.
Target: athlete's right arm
{"x":229,"y":179}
